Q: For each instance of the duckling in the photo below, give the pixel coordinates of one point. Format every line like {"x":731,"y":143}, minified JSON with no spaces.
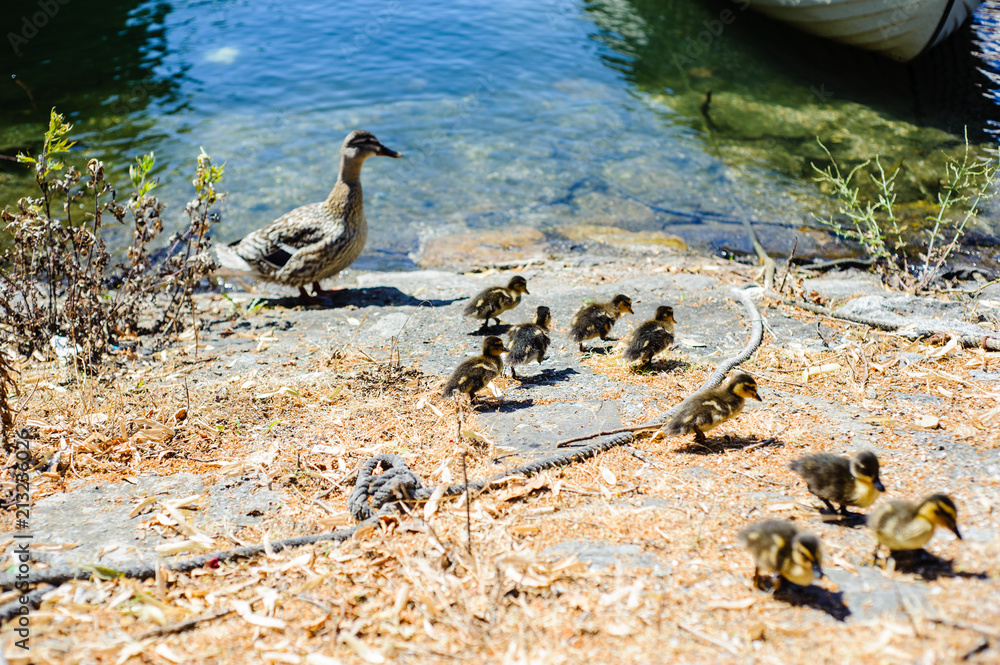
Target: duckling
{"x":849,"y":482}
{"x":597,"y":318}
{"x":474,"y":374}
{"x":314,"y":241}
{"x":651,"y":337}
{"x":780,"y":550}
{"x":707,"y":409}
{"x":494,"y":301}
{"x":529,"y":341}
{"x":903,"y":525}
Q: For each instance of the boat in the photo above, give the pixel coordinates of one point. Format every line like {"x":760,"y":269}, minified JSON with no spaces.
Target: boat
{"x":898,"y":29}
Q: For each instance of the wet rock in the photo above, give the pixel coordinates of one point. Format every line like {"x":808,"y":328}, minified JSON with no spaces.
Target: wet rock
{"x":484,"y":248}
{"x":623,"y":239}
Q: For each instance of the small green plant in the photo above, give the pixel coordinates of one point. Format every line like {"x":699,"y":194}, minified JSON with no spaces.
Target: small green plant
{"x":907,"y":260}
{"x":59,"y":285}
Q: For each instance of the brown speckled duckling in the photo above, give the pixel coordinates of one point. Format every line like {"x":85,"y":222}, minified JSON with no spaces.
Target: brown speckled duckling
{"x":903,"y":525}
{"x":597,"y":319}
{"x":494,"y":301}
{"x":780,"y":550}
{"x":474,"y":374}
{"x":317,"y":240}
{"x":707,"y":409}
{"x":651,"y":337}
{"x":529,"y":341}
{"x":848,"y":482}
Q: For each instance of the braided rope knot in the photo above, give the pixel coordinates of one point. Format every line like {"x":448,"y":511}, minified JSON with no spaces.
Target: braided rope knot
{"x":372,"y":493}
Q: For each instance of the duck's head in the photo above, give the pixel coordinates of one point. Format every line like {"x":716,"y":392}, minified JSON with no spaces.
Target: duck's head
{"x":623,"y":303}
{"x":864,"y":466}
{"x":543,"y":317}
{"x":493,"y":346}
{"x":744,"y":385}
{"x":360,"y":145}
{"x":940,"y":510}
{"x":665,"y":314}
{"x":807,"y":553}
{"x":518,"y":283}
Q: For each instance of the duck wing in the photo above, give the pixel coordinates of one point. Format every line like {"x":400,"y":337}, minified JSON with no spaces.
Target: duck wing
{"x":270,"y":249}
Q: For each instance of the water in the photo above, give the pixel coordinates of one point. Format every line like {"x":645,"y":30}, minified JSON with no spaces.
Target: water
{"x":543,"y":113}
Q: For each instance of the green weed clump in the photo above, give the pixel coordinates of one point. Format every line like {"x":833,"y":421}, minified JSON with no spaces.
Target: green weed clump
{"x":62,"y":291}
{"x":908,"y":259}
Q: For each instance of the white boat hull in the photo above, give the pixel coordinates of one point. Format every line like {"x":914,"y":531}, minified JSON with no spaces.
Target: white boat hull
{"x":899,"y":29}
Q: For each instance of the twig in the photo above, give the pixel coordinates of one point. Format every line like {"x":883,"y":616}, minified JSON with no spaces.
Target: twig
{"x":468,"y":509}
{"x":181,"y":626}
{"x":788,"y":267}
{"x":725,"y":646}
{"x":983,"y":630}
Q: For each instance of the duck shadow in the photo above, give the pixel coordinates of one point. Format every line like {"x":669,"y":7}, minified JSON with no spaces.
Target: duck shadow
{"x":930,"y":567}
{"x":385,"y":296}
{"x":547,"y":377}
{"x":722,"y":444}
{"x":816,"y":597}
{"x":496,"y":329}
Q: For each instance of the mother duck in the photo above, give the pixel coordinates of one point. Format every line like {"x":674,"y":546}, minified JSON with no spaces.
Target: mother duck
{"x":317,"y":240}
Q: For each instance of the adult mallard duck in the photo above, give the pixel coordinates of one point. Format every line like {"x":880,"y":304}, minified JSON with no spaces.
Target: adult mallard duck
{"x":317,"y":240}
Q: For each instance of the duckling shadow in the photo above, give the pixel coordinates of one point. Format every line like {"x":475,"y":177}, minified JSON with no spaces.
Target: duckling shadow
{"x":816,"y":597}
{"x":505,"y":406}
{"x":662,"y":366}
{"x":386,"y":296}
{"x":850,"y":520}
{"x":722,"y":444}
{"x":497,"y":329}
{"x":930,"y":566}
{"x":547,"y":377}
{"x":600,"y":350}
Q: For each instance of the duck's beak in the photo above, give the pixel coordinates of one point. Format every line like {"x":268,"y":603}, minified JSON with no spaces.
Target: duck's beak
{"x":526,"y":291}
{"x":954,"y":528}
{"x":818,"y":570}
{"x":755,"y":396}
{"x":878,"y":485}
{"x":629,"y":309}
{"x":386,"y":152}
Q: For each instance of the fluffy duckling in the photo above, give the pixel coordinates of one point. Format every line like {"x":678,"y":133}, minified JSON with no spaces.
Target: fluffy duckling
{"x":780,"y":550}
{"x":597,"y":319}
{"x":475,"y":373}
{"x":903,"y":525}
{"x":707,"y":409}
{"x":651,"y":337}
{"x":529,"y":341}
{"x":314,"y":241}
{"x":849,"y":482}
{"x":494,"y":301}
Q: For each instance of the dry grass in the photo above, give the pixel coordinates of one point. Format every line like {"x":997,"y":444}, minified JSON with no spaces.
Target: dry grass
{"x":409,"y":590}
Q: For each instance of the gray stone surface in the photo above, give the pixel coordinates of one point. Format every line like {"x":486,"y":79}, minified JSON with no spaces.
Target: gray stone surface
{"x":605,"y":555}
{"x":95,"y":516}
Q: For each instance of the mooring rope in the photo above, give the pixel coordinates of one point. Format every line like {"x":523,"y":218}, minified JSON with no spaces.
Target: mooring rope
{"x":373,"y":494}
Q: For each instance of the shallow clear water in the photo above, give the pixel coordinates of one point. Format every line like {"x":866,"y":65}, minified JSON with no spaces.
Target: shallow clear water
{"x":540,"y":113}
